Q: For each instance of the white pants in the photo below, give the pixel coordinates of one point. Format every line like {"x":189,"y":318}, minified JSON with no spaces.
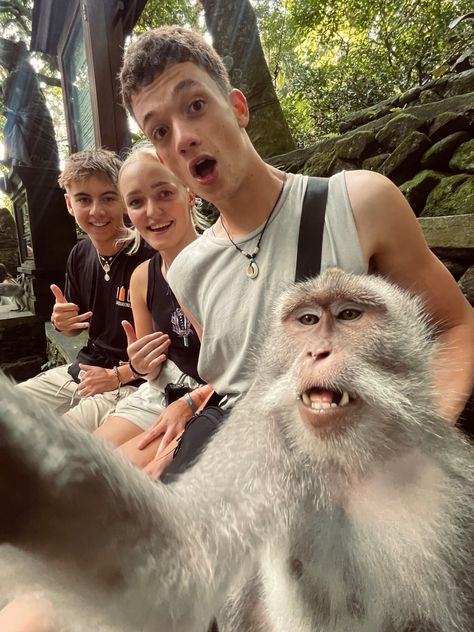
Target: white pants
{"x":148,"y":402}
{"x":57,"y":389}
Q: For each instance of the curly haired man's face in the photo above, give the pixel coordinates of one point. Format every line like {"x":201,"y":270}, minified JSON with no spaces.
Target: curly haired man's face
{"x":195,"y":129}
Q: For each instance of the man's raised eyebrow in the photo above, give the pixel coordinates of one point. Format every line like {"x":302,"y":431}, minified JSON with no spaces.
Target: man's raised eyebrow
{"x":184,"y":85}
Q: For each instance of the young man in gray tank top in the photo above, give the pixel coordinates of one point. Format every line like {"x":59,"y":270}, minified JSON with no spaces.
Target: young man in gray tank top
{"x":178,"y":91}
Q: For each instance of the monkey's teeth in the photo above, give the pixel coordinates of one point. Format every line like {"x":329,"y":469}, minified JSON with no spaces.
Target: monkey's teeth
{"x":320,"y":405}
{"x":344,"y":399}
{"x":306,"y":399}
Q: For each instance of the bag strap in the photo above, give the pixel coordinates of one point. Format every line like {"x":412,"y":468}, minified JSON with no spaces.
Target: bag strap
{"x":310,"y":240}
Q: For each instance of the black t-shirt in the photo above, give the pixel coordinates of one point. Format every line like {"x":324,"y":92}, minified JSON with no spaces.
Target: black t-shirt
{"x":109,"y":301}
{"x":168,"y":318}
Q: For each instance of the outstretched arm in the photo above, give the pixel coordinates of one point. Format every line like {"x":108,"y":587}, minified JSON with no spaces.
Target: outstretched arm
{"x":172,"y":551}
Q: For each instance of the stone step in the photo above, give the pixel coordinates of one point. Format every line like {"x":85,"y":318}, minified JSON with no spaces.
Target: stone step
{"x":450,"y":231}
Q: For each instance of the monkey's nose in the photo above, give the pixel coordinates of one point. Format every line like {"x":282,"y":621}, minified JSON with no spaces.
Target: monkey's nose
{"x":319,"y":355}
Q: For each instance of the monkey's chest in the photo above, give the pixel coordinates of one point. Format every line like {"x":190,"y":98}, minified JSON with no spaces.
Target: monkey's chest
{"x":313,"y":582}
{"x":334,"y":575}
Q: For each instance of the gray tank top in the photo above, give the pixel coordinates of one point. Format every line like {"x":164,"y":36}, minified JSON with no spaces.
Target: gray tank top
{"x":209,"y":279}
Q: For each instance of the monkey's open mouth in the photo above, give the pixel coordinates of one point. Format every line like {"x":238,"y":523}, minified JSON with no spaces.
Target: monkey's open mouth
{"x":320,"y":399}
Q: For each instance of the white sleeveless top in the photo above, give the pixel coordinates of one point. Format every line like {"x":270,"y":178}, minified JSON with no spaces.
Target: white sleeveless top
{"x":209,"y":280}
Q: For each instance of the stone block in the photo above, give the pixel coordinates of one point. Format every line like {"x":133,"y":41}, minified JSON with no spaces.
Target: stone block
{"x":318,"y":164}
{"x":402,"y":164}
{"x":356,"y":146}
{"x":63,"y":349}
{"x":463,"y":158}
{"x":418,"y":188}
{"x":448,"y":123}
{"x":374,"y":162}
{"x":449,"y":232}
{"x":397,"y":130}
{"x":438,"y":156}
{"x":466,"y":283}
{"x":454,"y":195}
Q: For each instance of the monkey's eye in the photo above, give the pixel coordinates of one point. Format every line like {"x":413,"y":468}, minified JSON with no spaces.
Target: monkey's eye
{"x":349,"y":314}
{"x":309,"y":319}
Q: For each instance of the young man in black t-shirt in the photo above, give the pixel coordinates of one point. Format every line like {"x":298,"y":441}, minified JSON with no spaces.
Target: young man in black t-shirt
{"x":96,"y":295}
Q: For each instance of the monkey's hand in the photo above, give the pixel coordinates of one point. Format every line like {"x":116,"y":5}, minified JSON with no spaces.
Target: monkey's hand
{"x":148,"y":353}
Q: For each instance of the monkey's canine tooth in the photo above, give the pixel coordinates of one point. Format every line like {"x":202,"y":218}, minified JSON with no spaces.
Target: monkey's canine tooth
{"x":306,"y":399}
{"x":344,"y":399}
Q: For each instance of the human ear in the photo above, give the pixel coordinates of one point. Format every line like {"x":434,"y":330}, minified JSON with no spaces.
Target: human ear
{"x":191,"y":198}
{"x":240,"y":106}
{"x":70,"y":210}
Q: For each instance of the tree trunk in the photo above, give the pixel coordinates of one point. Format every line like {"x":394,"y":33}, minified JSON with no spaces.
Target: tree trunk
{"x":233,"y":26}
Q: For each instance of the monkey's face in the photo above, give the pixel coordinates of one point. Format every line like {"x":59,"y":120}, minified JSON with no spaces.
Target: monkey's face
{"x":355,"y":347}
{"x":326,"y":334}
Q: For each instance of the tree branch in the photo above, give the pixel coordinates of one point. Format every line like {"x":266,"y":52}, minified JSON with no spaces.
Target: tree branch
{"x":49,"y":81}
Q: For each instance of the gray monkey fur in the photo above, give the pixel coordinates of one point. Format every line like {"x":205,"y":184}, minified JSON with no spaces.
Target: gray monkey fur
{"x":280,"y":526}
{"x":11,"y":289}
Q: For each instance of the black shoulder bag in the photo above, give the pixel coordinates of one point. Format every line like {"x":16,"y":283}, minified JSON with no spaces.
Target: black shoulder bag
{"x":310,"y":240}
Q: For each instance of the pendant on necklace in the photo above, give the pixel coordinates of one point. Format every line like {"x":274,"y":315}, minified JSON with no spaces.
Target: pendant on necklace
{"x":252,"y":269}
{"x":106,"y":268}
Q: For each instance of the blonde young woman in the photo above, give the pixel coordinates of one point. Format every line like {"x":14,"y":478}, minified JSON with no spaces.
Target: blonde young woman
{"x":162,"y":211}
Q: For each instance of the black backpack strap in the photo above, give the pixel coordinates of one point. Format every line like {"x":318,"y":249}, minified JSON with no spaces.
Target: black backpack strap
{"x":310,"y":241}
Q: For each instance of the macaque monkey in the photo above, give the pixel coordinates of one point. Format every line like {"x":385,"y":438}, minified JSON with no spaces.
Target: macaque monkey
{"x":333,"y":499}
{"x":11,"y":290}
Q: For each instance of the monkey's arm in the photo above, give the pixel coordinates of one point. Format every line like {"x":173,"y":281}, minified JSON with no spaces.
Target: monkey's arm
{"x":173,"y":550}
{"x":394,"y":246}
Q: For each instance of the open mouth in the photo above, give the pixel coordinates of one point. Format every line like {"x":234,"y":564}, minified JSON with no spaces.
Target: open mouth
{"x":322,"y":400}
{"x":159,"y":228}
{"x":203,"y":169}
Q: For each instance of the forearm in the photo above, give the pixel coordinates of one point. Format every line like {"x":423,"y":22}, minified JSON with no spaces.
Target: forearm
{"x":137,"y":375}
{"x":454,"y":370}
{"x":127,"y":374}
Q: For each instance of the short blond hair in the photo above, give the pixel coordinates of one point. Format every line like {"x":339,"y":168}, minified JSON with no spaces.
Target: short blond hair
{"x":90,"y":162}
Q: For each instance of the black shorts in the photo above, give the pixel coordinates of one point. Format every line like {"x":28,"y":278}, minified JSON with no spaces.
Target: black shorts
{"x":196,"y":435}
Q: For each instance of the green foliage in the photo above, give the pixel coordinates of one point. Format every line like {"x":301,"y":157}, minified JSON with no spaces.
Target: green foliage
{"x":328,"y":59}
{"x":158,"y":13}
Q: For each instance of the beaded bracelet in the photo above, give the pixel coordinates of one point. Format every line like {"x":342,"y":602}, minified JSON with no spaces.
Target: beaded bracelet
{"x":119,"y":381}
